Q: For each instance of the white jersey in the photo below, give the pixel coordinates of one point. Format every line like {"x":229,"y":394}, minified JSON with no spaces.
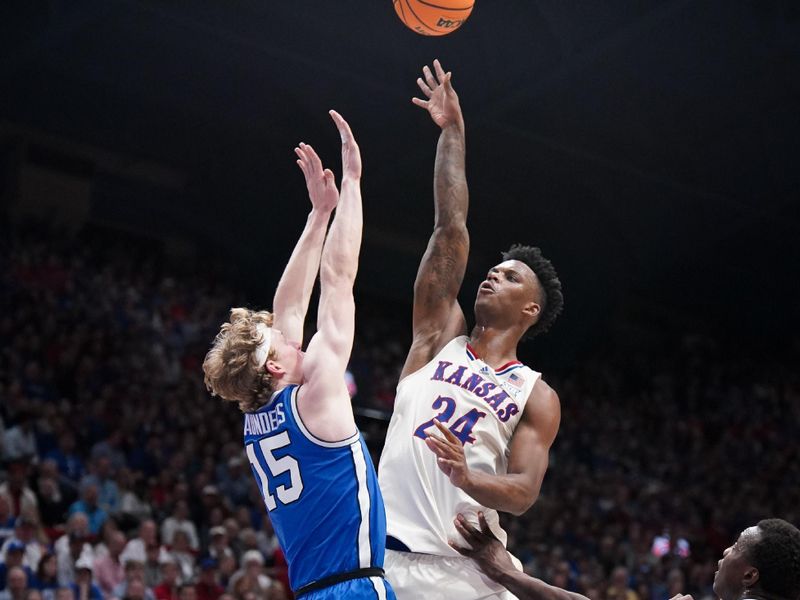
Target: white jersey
{"x":482,"y":407}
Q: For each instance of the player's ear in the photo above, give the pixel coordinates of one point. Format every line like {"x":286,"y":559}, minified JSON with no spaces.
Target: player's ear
{"x":275,"y":369}
{"x":751,"y":577}
{"x":532,"y":310}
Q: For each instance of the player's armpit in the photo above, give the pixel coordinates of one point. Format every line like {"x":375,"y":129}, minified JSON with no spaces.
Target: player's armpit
{"x":426,"y":345}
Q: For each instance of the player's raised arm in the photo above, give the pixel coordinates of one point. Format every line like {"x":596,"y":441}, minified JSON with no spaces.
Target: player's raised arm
{"x":515,"y":491}
{"x":294,"y":289}
{"x":325,"y":402}
{"x":437,"y":317}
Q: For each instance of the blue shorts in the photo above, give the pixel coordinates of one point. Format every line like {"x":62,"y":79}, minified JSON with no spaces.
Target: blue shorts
{"x":365,"y":588}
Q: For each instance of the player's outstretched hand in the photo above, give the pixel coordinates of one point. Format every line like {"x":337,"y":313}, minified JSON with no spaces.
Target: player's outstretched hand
{"x":450,"y":455}
{"x":351,"y":154}
{"x":681,"y":597}
{"x":320,"y":182}
{"x":485,"y":549}
{"x":442,"y":100}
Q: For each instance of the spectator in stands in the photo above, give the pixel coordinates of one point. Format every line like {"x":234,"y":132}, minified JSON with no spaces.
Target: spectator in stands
{"x":17,"y":585}
{"x":27,"y":533}
{"x":69,"y":463}
{"x":183,"y":555}
{"x":6,"y":520}
{"x":109,"y":571}
{"x":156,"y":556}
{"x":89,"y":506}
{"x":101,"y":475}
{"x":179,"y":519}
{"x":52,"y":498}
{"x":207,"y":586}
{"x":78,"y":547}
{"x":15,"y":555}
{"x":83,"y":587}
{"x":132,"y":507}
{"x":167,"y":588}
{"x":109,"y":448}
{"x":236,"y":481}
{"x":78,"y":525}
{"x":134,"y":580}
{"x":219,"y":547}
{"x":19,"y":496}
{"x":251,"y":579}
{"x":137,"y":547}
{"x":619,"y":588}
{"x":187,"y":591}
{"x":20,"y":440}
{"x":46,"y":578}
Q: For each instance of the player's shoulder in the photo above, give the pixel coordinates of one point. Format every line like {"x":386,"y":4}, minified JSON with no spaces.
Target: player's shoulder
{"x":543,"y":402}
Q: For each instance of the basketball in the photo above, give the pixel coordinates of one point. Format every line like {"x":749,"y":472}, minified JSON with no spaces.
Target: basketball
{"x":433,"y":17}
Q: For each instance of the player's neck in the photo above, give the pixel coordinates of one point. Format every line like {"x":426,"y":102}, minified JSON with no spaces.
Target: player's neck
{"x":495,"y":347}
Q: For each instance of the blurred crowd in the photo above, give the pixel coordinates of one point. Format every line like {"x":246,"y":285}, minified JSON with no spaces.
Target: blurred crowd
{"x":122,"y":478}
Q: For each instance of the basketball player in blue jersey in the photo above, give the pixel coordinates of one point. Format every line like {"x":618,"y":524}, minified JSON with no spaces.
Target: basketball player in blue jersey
{"x":307,"y":455}
{"x":472,"y":426}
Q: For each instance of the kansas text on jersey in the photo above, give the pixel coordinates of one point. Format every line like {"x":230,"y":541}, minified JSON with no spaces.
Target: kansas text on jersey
{"x":481,"y":406}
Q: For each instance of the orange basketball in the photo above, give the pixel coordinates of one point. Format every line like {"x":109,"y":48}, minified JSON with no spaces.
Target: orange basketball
{"x":433,"y":17}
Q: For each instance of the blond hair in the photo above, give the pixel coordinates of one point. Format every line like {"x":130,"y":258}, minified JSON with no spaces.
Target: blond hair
{"x":230,"y":368}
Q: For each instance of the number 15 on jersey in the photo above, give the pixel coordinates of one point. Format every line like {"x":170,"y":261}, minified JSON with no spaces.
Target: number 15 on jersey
{"x":276,"y":466}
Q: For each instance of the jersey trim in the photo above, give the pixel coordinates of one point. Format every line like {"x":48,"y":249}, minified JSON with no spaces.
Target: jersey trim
{"x":503,"y":370}
{"x":379,"y":584}
{"x":364,"y":544}
{"x":310,"y":436}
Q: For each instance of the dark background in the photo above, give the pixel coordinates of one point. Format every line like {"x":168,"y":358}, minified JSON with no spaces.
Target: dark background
{"x":650,"y":147}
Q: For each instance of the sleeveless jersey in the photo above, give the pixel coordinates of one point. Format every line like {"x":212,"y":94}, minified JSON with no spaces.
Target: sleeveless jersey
{"x":482,"y":407}
{"x":322,"y":497}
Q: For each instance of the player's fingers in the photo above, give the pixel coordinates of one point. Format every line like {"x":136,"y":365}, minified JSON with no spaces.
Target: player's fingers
{"x":313,"y":158}
{"x":447,"y":433}
{"x":465,"y":528}
{"x":439,"y":70}
{"x":344,"y":128}
{"x":438,"y":448}
{"x":460,"y":550}
{"x":419,"y":102}
{"x":432,"y":83}
{"x":485,"y":526}
{"x":424,"y":87}
{"x":303,"y":164}
{"x":448,"y":86}
{"x":442,"y":445}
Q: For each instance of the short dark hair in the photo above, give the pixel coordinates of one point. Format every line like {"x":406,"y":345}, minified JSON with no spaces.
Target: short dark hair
{"x":553,"y":300}
{"x":776,"y":555}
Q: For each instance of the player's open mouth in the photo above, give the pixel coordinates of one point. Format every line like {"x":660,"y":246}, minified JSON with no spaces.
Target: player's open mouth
{"x":486,"y":287}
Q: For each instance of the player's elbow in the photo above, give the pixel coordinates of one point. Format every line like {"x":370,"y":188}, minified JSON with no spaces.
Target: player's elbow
{"x":525,"y":500}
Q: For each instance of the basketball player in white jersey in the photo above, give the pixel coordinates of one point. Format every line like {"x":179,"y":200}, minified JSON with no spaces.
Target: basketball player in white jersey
{"x":472,"y":426}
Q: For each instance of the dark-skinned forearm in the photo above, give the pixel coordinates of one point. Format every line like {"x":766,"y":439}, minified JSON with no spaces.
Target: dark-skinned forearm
{"x":449,"y":177}
{"x":528,"y":588}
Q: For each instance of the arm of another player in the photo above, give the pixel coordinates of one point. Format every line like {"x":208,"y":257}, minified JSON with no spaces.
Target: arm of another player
{"x":324,"y":401}
{"x":437,"y":317}
{"x":487,"y":551}
{"x":517,"y":490}
{"x":293,"y":294}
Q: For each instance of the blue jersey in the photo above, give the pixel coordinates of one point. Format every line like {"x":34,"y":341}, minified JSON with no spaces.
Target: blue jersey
{"x":323,"y":497}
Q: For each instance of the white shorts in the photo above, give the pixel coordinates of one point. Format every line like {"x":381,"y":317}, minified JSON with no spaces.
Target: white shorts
{"x":432,"y":577}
